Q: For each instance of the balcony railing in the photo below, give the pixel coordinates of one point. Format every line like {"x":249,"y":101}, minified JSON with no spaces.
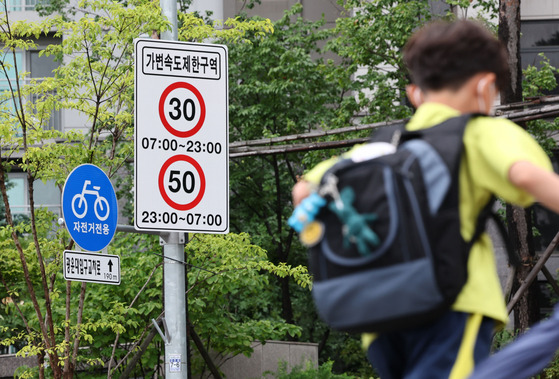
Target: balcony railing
{"x":24,"y":5}
{"x":25,"y":210}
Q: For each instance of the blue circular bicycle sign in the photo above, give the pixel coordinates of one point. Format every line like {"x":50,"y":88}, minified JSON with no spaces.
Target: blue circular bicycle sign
{"x":89,"y":207}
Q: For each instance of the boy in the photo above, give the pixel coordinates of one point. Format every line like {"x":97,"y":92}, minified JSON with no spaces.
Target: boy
{"x":456,"y":68}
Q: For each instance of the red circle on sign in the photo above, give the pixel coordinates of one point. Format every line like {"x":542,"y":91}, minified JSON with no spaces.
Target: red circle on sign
{"x":175,"y":205}
{"x":170,"y":129}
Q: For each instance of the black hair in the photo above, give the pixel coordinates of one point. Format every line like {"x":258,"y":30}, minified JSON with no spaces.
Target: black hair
{"x":445,"y":55}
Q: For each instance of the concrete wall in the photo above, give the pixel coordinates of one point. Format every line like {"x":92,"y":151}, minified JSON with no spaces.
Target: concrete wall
{"x":9,"y":363}
{"x":267,"y":356}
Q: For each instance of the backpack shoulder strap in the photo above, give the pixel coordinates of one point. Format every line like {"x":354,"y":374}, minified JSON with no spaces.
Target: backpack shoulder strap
{"x":390,"y":134}
{"x":454,"y":126}
{"x":446,"y":138}
{"x":486,"y":214}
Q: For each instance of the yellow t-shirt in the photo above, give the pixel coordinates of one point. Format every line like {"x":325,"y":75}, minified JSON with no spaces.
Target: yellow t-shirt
{"x":491,"y":146}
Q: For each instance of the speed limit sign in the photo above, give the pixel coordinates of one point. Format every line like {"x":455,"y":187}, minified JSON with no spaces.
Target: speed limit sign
{"x":181,"y":137}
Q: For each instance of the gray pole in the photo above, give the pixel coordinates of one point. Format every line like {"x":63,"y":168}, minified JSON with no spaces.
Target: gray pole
{"x":169,"y":10}
{"x":176,"y":358}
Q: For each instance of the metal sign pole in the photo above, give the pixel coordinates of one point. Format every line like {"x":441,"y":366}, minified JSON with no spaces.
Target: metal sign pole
{"x":169,"y":10}
{"x":176,"y":358}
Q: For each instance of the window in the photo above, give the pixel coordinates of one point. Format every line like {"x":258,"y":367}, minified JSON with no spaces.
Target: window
{"x":17,"y":194}
{"x":7,"y":105}
{"x":540,"y":33}
{"x":42,"y":67}
{"x":24,"y":5}
{"x":45,"y":194}
{"x":38,"y":67}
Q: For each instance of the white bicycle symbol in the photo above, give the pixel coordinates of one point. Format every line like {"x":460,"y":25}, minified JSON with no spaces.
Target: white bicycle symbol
{"x":101,"y":204}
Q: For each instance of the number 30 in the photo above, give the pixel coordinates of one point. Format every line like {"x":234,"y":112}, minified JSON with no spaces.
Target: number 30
{"x":189,"y":116}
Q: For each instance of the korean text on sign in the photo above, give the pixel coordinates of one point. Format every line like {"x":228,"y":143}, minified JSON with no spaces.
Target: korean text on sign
{"x":91,"y":228}
{"x":186,"y":63}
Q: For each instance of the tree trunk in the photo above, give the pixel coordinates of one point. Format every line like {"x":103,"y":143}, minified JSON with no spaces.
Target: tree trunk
{"x":286,"y":305}
{"x":509,"y":34}
{"x":526,"y":312}
{"x":282,"y":251}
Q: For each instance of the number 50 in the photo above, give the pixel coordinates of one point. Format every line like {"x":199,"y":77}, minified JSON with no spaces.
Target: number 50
{"x":186,"y":182}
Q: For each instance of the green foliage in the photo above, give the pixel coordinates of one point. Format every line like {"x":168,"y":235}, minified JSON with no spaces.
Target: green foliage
{"x":280,"y":85}
{"x":369,"y":41}
{"x":373,"y":38}
{"x":502,"y":338}
{"x":60,"y":7}
{"x":536,"y":82}
{"x":69,"y":323}
{"x":277,"y":84}
{"x":289,"y":83}
{"x":105,"y":314}
{"x":324,"y":371}
{"x":485,"y":9}
{"x":488,"y":8}
{"x":195,"y":29}
{"x":551,"y":371}
{"x":229,"y":290}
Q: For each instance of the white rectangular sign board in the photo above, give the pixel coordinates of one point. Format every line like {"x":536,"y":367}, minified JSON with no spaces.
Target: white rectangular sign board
{"x":91,"y":267}
{"x":181,"y":138}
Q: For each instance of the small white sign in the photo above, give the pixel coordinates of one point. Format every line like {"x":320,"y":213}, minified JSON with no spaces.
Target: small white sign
{"x":91,"y":267}
{"x":174,"y":362}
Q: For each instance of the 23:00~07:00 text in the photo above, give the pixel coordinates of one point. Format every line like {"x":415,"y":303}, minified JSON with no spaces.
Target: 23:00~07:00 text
{"x":189,"y":146}
{"x":173,"y":218}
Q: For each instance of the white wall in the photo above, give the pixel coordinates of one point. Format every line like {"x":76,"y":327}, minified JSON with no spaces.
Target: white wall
{"x":539,"y":9}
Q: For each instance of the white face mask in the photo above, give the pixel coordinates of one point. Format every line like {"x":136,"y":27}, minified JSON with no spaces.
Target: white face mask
{"x":417,"y":96}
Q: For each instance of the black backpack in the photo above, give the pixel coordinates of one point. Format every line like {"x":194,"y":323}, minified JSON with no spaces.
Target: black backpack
{"x":387,"y":251}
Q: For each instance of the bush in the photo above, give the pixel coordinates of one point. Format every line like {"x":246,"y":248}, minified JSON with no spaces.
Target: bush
{"x":324,"y":371}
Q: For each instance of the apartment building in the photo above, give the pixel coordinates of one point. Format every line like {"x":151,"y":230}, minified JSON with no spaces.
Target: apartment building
{"x":38,"y":67}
